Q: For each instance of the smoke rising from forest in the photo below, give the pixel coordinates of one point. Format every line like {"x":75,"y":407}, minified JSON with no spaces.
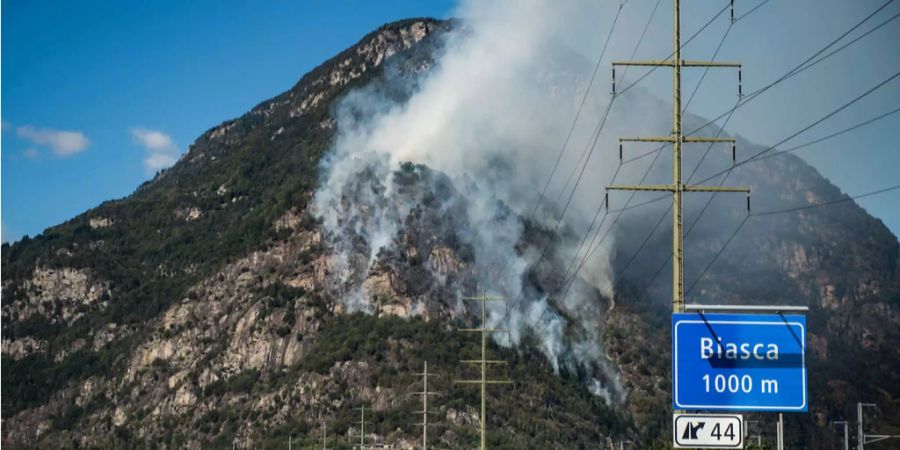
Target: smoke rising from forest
{"x":492,"y":114}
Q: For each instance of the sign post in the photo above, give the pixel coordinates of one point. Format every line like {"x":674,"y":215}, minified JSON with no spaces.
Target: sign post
{"x":739,"y":362}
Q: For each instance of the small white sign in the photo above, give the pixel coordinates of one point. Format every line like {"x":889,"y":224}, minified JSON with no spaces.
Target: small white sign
{"x":708,"y":430}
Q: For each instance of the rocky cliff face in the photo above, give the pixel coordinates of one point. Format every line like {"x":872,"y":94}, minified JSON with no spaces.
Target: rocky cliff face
{"x":210,"y":308}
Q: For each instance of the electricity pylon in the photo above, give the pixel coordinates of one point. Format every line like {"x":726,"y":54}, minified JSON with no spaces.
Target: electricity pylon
{"x":677,"y":138}
{"x":324,"y":436}
{"x":362,"y":428}
{"x":483,"y":381}
{"x":424,"y":393}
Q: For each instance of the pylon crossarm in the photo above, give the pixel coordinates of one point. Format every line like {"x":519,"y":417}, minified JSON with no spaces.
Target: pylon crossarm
{"x":687,"y":188}
{"x":689,"y":63}
{"x":645,"y":63}
{"x":486,"y":361}
{"x":483,"y":330}
{"x":482,"y":381}
{"x":489,"y":299}
{"x":648,"y":139}
{"x":644,"y":187}
{"x":707,"y":139}
{"x":870,"y":438}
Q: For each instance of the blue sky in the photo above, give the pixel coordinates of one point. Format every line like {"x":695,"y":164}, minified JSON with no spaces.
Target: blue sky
{"x":96,"y":95}
{"x":115,"y":72}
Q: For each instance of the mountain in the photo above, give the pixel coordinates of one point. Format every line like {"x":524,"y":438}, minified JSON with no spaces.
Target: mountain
{"x":205,"y":310}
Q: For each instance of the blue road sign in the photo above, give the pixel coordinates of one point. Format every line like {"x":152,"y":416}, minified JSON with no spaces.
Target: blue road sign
{"x":739,"y":362}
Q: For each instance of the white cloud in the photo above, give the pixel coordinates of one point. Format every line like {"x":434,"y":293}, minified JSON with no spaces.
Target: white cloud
{"x":62,"y":142}
{"x":161,"y":150}
{"x":30,"y":153}
{"x":157,"y":161}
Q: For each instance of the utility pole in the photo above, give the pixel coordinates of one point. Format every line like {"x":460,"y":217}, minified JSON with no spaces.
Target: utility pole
{"x":780,"y":437}
{"x":483,"y":362}
{"x":424,"y":393}
{"x":860,"y":435}
{"x":362,"y":427}
{"x":677,"y":138}
{"x":863,"y":438}
{"x":846,"y":433}
{"x":324,"y":435}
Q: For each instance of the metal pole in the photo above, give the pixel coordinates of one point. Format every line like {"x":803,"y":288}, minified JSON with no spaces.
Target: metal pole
{"x":869,"y":438}
{"x":846,"y":437}
{"x":677,"y":188}
{"x":362,"y":428}
{"x":483,"y":364}
{"x":860,"y":436}
{"x":780,"y":431}
{"x":425,"y":408}
{"x":677,"y":232}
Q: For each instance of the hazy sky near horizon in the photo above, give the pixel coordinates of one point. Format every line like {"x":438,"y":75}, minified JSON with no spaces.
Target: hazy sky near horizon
{"x":100,"y":95}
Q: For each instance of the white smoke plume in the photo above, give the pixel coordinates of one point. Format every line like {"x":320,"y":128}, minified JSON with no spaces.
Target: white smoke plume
{"x":491,"y":114}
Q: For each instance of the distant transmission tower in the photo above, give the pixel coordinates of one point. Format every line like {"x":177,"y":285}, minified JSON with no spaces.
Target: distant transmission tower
{"x":677,"y":138}
{"x":424,"y":393}
{"x":483,"y":381}
{"x":362,"y":428}
{"x":325,"y":436}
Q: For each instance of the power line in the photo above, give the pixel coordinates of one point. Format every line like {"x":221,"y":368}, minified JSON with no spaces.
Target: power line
{"x":803,"y":66}
{"x":592,"y":146}
{"x":652,"y":279}
{"x":792,"y":72}
{"x":691,"y":176}
{"x":728,"y":171}
{"x":828,"y":203}
{"x":590,"y":252}
{"x":787,"y":210}
{"x":595,"y":138}
{"x":592,"y":143}
{"x":578,"y":112}
{"x":603,"y":205}
{"x":714,"y":258}
{"x":830,"y":136}
{"x":633,"y":54}
{"x":806,"y":128}
{"x":646,"y":173}
{"x":756,"y":156}
{"x":751,"y":10}
{"x":569,"y":136}
{"x":683,"y":44}
{"x":596,"y":133}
